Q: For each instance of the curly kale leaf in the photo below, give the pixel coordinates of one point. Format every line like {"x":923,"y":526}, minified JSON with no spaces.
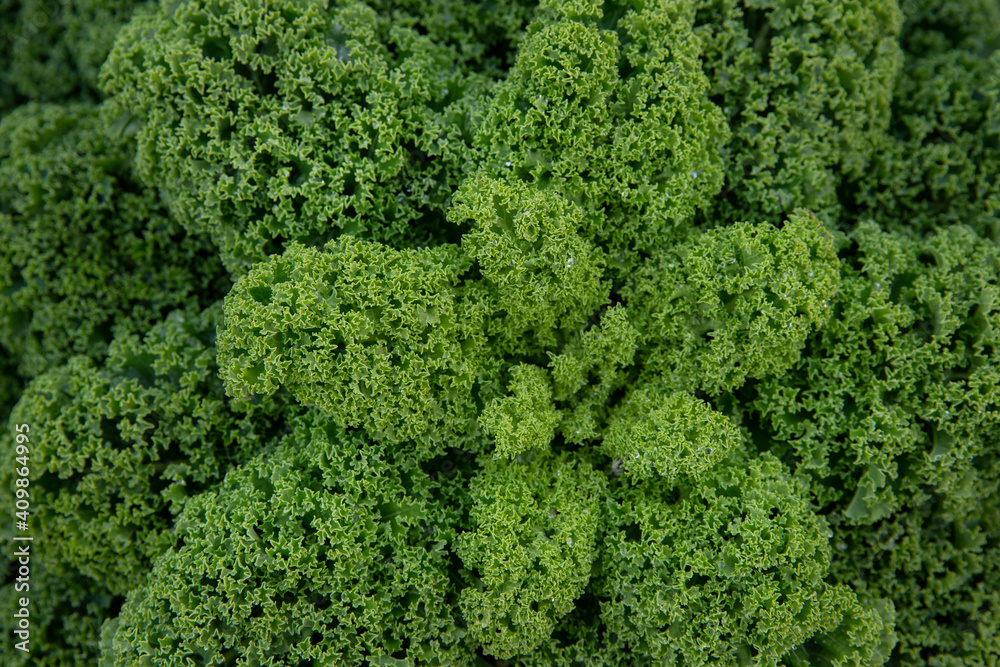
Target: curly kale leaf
{"x":526,"y":418}
{"x":265,"y":123}
{"x":898,"y":392}
{"x":610,"y":109}
{"x":378,"y":338}
{"x":325,"y":549}
{"x":734,"y":303}
{"x":807,"y":90}
{"x":116,"y":449}
{"x":85,"y":252}
{"x":538,"y":269}
{"x":534,"y":539}
{"x":729,"y":569}
{"x":674,"y":437}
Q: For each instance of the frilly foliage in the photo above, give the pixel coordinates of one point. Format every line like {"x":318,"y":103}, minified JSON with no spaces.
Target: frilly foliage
{"x":941,"y":167}
{"x":51,"y":50}
{"x":375,"y":337}
{"x":594,"y":364}
{"x":525,"y":419}
{"x":729,"y":567}
{"x":807,"y":90}
{"x":119,"y":447}
{"x":938,"y":560}
{"x":287,"y":121}
{"x":85,"y":252}
{"x":324,"y":549}
{"x":535,"y":525}
{"x":516,"y":333}
{"x":610,"y":108}
{"x":539,"y":270}
{"x":907,"y":395}
{"x":674,"y":437}
{"x":735,"y":303}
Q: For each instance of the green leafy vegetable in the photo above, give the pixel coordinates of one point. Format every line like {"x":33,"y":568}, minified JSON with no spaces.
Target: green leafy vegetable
{"x":85,"y":252}
{"x":117,"y":450}
{"x":532,"y":547}
{"x":502,"y":333}
{"x":323,"y":549}
{"x":283,"y":121}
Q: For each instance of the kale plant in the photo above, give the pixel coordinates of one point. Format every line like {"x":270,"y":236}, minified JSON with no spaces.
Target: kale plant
{"x":573,"y":333}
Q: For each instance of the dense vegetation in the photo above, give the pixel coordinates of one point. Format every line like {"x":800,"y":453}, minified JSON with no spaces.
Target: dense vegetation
{"x":570,"y":333}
